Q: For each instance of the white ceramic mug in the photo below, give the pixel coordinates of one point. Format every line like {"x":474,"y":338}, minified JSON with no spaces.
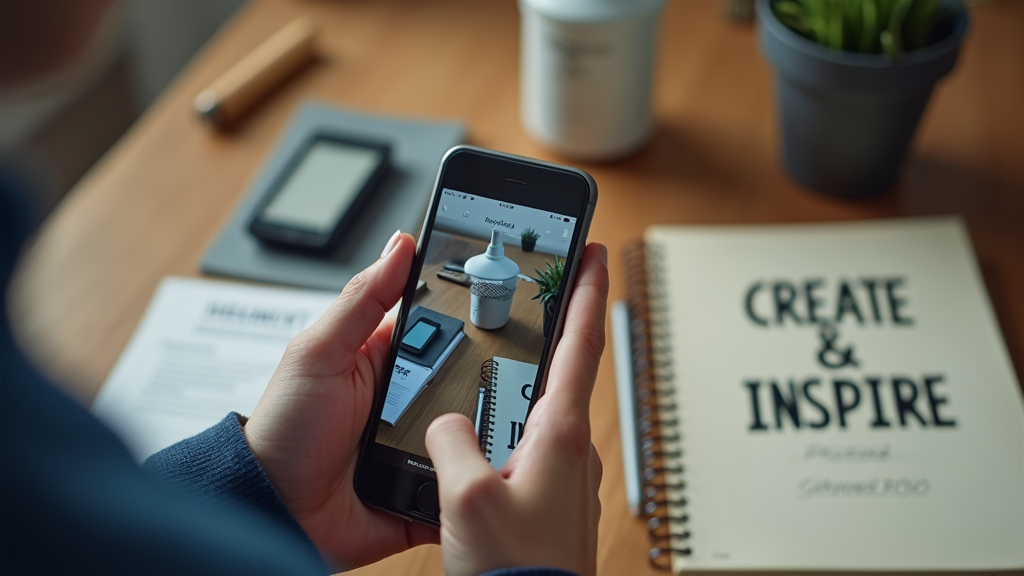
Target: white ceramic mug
{"x":586,"y":72}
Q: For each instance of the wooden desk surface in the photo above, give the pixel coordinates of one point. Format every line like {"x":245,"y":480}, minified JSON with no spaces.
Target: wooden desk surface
{"x":153,"y":204}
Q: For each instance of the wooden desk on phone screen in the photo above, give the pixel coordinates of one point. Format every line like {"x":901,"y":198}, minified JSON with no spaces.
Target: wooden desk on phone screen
{"x":158,"y":198}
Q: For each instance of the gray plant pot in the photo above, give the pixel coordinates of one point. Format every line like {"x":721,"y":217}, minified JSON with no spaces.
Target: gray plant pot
{"x":848,"y":118}
{"x":549,"y":316}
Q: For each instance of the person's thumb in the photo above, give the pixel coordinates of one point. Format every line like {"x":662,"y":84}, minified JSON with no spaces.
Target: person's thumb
{"x":454,"y":449}
{"x":357,"y":312}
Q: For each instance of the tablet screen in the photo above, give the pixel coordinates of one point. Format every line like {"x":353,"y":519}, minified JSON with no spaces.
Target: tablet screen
{"x":322,"y":186}
{"x":419,"y":335}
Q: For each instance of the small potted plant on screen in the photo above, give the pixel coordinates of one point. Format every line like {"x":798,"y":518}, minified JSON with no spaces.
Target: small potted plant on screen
{"x":529,"y":238}
{"x":549,"y":281}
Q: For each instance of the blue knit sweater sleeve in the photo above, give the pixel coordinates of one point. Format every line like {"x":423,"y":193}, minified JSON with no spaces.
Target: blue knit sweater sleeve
{"x":216,"y":466}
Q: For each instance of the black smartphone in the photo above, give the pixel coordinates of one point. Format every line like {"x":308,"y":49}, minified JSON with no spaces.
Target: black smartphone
{"x":481,"y":204}
{"x":456,"y":276}
{"x":419,"y":335}
{"x":319,"y":193}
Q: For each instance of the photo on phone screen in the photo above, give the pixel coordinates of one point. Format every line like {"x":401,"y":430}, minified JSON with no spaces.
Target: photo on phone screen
{"x":483,"y":360}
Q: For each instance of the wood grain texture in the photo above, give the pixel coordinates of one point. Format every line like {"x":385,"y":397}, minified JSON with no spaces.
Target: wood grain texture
{"x":152,"y":205}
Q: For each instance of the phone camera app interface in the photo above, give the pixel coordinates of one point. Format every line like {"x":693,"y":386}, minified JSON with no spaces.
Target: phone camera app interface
{"x":475,"y":336}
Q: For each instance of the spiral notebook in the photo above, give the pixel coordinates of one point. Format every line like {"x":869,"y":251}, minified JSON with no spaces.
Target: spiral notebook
{"x":501,"y":410}
{"x":828,"y":397}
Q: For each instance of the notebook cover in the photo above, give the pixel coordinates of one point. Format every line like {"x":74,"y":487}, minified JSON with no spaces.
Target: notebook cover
{"x":511,"y":402}
{"x":843,"y":399}
{"x":400,"y":203}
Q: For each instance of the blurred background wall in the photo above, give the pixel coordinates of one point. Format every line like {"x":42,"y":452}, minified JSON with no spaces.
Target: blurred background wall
{"x":75,"y":74}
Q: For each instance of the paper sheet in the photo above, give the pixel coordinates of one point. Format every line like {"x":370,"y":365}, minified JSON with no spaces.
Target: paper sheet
{"x":408,"y":380}
{"x":203,"y":349}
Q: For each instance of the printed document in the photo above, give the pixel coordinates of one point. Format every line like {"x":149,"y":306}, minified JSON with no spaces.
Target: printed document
{"x":203,"y":349}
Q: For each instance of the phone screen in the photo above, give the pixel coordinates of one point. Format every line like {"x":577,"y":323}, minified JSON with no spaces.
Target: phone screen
{"x":485,"y":358}
{"x":322,"y":186}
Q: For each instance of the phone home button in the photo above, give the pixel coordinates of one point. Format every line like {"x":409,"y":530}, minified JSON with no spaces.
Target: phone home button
{"x":426,"y":498}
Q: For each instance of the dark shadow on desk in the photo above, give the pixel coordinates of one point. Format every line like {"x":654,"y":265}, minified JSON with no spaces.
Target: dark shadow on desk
{"x":684,"y":154}
{"x":991,"y":202}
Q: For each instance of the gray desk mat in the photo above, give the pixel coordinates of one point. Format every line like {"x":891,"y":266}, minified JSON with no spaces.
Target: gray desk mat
{"x":399,"y":204}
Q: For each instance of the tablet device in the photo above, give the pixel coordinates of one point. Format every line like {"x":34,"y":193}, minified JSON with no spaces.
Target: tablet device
{"x":419,"y":335}
{"x":319,"y":192}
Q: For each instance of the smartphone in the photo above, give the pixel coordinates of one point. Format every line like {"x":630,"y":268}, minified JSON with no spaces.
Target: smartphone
{"x":456,"y":276}
{"x":419,"y":335}
{"x":481,"y":203}
{"x":319,"y":193}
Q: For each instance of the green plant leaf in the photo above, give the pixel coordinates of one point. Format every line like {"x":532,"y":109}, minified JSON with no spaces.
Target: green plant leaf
{"x":869,"y":26}
{"x":895,"y":28}
{"x":819,"y":13}
{"x":919,"y":23}
{"x":793,"y":15}
{"x":835,"y":25}
{"x":889,"y":27}
{"x":549,"y":281}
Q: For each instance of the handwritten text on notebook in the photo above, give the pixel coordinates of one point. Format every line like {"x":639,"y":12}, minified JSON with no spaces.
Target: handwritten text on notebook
{"x":820,"y":401}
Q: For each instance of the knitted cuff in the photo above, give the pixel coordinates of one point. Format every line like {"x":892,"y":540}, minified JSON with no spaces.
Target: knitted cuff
{"x":216,"y":466}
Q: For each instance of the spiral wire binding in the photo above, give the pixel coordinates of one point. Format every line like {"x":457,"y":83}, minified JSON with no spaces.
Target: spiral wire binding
{"x":489,"y":375}
{"x":663,"y":503}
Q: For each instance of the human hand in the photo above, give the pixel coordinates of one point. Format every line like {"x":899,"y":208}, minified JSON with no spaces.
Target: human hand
{"x":542,"y":508}
{"x":305,"y":431}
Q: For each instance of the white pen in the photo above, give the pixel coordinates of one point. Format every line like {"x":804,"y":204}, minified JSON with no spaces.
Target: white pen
{"x":627,"y":403}
{"x":479,"y":409}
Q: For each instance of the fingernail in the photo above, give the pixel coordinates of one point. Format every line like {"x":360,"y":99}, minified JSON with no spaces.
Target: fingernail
{"x":391,"y":244}
{"x":604,"y":255}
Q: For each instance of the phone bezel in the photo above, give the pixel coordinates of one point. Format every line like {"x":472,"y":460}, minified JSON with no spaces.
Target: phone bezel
{"x":304,"y":239}
{"x":504,"y":177}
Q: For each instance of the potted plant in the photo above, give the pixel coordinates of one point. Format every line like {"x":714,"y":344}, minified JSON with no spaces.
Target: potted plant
{"x":852,"y":78}
{"x":529,"y":239}
{"x":549,"y":282}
